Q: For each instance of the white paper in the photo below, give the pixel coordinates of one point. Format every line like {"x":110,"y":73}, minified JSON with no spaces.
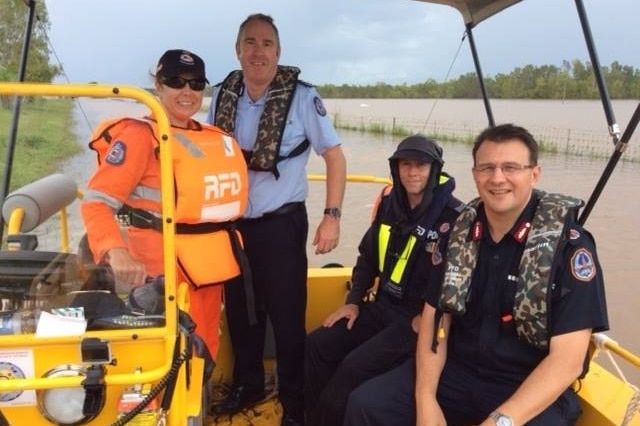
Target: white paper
{"x":50,"y":325}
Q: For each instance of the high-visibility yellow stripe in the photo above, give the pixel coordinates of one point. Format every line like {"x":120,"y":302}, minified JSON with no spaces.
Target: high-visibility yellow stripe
{"x":401,"y":263}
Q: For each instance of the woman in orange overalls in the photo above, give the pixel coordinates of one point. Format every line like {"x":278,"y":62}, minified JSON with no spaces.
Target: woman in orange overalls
{"x":211,"y":191}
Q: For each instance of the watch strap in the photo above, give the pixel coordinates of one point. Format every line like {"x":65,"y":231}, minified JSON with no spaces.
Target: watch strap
{"x":333,"y":212}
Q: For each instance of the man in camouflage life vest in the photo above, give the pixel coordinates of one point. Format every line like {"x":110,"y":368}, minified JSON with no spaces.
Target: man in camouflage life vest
{"x":278,"y":120}
{"x":523,"y":291}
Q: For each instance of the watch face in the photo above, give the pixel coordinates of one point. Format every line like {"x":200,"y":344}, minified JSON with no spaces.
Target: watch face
{"x":504,"y":421}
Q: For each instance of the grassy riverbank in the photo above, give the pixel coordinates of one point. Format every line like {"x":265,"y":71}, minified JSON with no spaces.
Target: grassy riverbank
{"x":549,"y":146}
{"x":396,"y":130}
{"x":45,"y":139}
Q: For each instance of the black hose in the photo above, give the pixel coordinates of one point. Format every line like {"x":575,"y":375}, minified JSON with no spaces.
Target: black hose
{"x":155,"y":391}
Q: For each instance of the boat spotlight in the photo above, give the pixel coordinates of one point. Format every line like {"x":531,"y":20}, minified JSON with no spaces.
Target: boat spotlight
{"x":64,"y":406}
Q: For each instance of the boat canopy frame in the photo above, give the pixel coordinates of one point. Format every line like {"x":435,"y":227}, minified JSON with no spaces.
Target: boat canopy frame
{"x":475,"y":11}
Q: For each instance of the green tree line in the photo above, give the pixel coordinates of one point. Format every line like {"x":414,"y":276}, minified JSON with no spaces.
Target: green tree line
{"x":13,"y":21}
{"x":572,"y":80}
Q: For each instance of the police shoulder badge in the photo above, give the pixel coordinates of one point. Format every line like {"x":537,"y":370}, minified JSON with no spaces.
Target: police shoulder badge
{"x":320,"y":109}
{"x":583,"y":267}
{"x":117,"y":153}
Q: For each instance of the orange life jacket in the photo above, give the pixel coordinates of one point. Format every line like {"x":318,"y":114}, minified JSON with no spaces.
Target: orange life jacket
{"x":211,"y":192}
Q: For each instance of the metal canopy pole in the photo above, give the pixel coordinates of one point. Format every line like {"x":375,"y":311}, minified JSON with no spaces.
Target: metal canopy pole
{"x":621,"y":146}
{"x":614,"y":128}
{"x":483,"y":88}
{"x":13,"y":132}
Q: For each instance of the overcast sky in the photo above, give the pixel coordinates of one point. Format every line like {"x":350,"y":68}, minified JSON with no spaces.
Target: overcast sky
{"x":334,"y":41}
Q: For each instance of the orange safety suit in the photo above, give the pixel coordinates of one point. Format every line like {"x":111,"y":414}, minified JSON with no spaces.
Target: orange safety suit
{"x":211,"y":189}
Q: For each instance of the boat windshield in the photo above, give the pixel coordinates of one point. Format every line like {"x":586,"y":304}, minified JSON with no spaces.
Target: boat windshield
{"x":54,"y":293}
{"x":49,"y":283}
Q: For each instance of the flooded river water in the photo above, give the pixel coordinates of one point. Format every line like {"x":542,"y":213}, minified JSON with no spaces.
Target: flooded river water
{"x":613,"y":221}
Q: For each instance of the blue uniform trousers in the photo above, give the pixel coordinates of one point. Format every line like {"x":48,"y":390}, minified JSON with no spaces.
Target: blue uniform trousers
{"x":276,"y":248}
{"x":338,"y":360}
{"x":388,"y":400}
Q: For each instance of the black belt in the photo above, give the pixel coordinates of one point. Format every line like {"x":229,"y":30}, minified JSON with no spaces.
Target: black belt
{"x":143,"y":219}
{"x":204,"y":228}
{"x":140,"y":218}
{"x":286,"y":208}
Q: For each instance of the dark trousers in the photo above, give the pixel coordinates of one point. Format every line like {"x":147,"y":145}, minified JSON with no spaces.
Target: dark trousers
{"x":465,"y":399}
{"x":276,"y":248}
{"x":338,"y":360}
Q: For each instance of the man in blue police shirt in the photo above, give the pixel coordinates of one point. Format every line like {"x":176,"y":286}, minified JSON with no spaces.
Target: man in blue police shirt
{"x":276,"y":118}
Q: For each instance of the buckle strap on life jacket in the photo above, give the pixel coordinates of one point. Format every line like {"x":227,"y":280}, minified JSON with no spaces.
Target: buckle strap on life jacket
{"x":298,"y":150}
{"x":140,"y":218}
{"x":247,"y":276}
{"x":238,"y":253}
{"x":143,"y":219}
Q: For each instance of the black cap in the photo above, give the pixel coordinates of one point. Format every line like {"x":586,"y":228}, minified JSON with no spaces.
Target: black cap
{"x":177,"y":61}
{"x":418,"y":147}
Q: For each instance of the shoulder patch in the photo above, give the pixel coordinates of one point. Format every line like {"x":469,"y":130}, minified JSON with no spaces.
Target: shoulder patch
{"x":583,"y":267}
{"x":320,"y":109}
{"x":117,"y":153}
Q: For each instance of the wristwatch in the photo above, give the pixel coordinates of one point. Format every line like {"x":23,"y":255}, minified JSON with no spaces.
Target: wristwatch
{"x":334,"y":212}
{"x":501,"y":419}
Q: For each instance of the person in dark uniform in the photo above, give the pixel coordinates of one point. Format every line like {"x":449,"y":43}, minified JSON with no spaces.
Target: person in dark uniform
{"x":403,"y":249}
{"x":507,"y":335}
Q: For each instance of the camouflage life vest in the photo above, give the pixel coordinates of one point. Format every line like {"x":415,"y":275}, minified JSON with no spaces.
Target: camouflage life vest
{"x":266,"y":151}
{"x":546,"y":236}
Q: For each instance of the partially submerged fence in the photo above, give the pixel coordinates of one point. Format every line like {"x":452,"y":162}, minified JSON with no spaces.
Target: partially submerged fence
{"x":582,"y":142}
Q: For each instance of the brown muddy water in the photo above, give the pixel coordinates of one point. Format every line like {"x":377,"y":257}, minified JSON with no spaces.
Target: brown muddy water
{"x":574,"y":126}
{"x":613,"y":221}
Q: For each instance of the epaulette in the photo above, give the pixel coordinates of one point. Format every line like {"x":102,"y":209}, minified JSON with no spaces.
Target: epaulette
{"x":305,"y":83}
{"x":456,"y":204}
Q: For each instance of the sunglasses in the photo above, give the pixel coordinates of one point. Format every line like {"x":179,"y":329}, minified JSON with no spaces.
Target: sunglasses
{"x":197,"y":84}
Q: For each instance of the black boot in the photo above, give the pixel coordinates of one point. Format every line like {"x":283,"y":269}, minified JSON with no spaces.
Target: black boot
{"x":238,"y":399}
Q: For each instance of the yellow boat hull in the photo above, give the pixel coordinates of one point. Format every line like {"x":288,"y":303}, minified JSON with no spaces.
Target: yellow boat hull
{"x":604,"y":397}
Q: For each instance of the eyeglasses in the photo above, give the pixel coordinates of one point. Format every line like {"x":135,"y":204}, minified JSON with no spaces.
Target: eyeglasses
{"x":177,"y":82}
{"x":508,"y":169}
